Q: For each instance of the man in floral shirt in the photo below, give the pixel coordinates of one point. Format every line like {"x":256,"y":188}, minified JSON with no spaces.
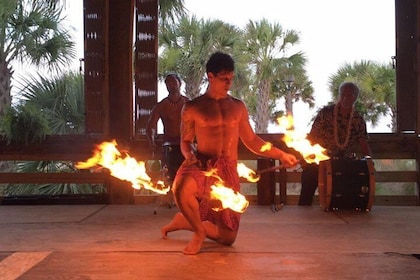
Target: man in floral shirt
{"x":337,"y":128}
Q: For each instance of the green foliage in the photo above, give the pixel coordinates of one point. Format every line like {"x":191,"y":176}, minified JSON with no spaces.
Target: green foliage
{"x":377,"y":83}
{"x":60,"y":102}
{"x":51,"y":189}
{"x":262,"y":53}
{"x":273,"y":59}
{"x":170,"y":11}
{"x":61,"y":99}
{"x":48,"y":106}
{"x":32,"y":33}
{"x":186,"y":46}
{"x":24,"y":125}
{"x":35,"y":34}
{"x":266,"y":57}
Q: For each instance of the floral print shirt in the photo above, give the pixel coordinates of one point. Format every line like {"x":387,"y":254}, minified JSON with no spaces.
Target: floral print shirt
{"x":322,"y":131}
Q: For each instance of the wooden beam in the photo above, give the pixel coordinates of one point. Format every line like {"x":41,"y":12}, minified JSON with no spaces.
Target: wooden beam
{"x":54,"y":178}
{"x":79,"y":147}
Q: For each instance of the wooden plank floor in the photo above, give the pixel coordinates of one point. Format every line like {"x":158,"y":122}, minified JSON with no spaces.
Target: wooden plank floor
{"x":124,"y":242}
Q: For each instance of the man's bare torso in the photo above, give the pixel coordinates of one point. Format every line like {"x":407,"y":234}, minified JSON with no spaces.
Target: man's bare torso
{"x":169,"y":113}
{"x":216,"y":125}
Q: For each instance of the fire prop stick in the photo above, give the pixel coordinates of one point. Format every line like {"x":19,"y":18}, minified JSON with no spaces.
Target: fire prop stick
{"x":302,"y":162}
{"x":125,"y":168}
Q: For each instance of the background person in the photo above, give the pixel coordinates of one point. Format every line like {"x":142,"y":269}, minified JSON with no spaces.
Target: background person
{"x":337,"y":128}
{"x":168,"y":110}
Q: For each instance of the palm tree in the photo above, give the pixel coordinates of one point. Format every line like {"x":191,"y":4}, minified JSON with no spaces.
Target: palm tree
{"x":60,"y":100}
{"x":186,"y":46}
{"x":385,"y":86}
{"x":170,"y":11}
{"x":377,"y":88}
{"x":267,"y":46}
{"x":31,"y":32}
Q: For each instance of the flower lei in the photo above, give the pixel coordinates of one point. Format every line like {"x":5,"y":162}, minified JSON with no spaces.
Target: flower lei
{"x":337,"y":141}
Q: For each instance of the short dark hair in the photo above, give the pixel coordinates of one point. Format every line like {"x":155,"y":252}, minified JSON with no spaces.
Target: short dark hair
{"x":175,"y":75}
{"x":219,"y":62}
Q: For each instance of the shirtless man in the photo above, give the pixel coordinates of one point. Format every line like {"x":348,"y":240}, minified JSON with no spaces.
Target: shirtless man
{"x":169,"y":111}
{"x":215,"y":121}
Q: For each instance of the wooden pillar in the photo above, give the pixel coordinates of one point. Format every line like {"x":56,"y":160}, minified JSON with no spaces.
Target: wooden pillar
{"x":109,"y":68}
{"x":417,"y":19}
{"x":407,"y":20}
{"x":145,"y":63}
{"x":120,"y":192}
{"x":283,"y":186}
{"x":96,"y":67}
{"x":121,"y":14}
{"x":407,"y":41}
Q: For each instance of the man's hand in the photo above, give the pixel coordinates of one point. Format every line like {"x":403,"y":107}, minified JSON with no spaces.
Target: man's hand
{"x":289,"y":160}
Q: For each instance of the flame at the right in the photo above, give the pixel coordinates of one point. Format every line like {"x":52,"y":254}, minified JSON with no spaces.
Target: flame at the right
{"x":298,"y":141}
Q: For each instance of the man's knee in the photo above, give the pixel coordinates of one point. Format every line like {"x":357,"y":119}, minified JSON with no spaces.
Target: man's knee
{"x":184,"y":185}
{"x":227,"y":241}
{"x":227,"y":237}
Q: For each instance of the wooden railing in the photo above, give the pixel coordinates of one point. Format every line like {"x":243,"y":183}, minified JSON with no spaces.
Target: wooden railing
{"x":384,"y":146}
{"x":79,"y":147}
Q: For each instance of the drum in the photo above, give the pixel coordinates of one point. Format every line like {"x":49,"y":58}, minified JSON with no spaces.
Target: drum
{"x":346,"y":183}
{"x":172,"y":159}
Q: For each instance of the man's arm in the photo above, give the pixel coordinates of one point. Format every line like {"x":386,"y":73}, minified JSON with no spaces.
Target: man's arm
{"x":362,"y":139}
{"x":151,"y":127}
{"x":187,"y":135}
{"x":365,"y":147}
{"x":254,"y":143}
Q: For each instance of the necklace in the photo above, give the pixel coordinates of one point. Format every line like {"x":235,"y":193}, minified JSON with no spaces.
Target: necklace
{"x":342,"y":146}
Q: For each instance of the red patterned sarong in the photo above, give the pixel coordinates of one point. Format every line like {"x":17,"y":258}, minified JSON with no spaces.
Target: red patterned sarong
{"x":227,"y":171}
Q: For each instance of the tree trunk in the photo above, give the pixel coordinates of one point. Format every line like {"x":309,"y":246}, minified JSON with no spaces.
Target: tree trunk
{"x":289,"y":103}
{"x":263,"y":113}
{"x":5,"y":86}
{"x":192,"y":89}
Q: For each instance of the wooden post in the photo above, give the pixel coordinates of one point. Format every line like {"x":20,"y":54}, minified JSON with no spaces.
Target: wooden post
{"x":120,"y":192}
{"x":283,"y":186}
{"x":121,"y":14}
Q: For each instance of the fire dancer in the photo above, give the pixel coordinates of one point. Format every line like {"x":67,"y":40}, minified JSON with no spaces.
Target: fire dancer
{"x":169,"y":111}
{"x":337,"y":128}
{"x":216,"y":121}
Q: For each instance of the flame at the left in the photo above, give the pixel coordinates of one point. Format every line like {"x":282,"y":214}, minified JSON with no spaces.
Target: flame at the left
{"x":122,"y":167}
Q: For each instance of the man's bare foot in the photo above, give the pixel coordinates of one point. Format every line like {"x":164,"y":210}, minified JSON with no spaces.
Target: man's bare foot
{"x":178,"y":222}
{"x":164,"y":231}
{"x":194,"y":246}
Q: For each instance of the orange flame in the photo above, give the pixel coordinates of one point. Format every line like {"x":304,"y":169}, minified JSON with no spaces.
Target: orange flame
{"x":266,"y":147}
{"x":124,"y":168}
{"x":297,"y":140}
{"x":227,"y":196}
{"x":247,"y":173}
